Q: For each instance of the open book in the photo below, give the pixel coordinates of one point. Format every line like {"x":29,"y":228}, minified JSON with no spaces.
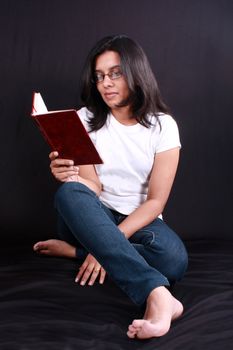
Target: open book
{"x":65,"y":133}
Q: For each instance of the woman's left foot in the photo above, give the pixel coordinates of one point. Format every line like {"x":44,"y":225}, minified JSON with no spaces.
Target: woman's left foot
{"x":55,"y":247}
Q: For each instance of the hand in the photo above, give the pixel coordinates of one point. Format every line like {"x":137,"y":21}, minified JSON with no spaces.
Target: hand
{"x":63,"y":169}
{"x":90,"y":270}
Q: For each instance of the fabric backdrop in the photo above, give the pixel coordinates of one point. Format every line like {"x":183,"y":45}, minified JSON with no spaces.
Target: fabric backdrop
{"x":189,"y":45}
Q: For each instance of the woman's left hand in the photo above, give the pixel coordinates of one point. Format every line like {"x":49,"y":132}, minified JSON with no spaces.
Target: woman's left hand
{"x":89,"y":271}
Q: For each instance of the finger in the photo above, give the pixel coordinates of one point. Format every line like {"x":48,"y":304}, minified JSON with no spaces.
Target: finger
{"x":64,"y":178}
{"x":64,"y":174}
{"x":102,"y":275}
{"x":73,"y":178}
{"x":53,"y":155}
{"x":63,"y":169}
{"x":60,"y":161}
{"x":81,"y":271}
{"x":94,"y":275}
{"x":87,"y":274}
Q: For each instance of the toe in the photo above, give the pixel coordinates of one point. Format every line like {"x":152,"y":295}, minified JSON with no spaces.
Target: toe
{"x":131,"y":334}
{"x":43,"y":251}
{"x":132,"y":331}
{"x":138,"y":323}
{"x":36,"y":246}
{"x":132,"y":328}
{"x":39,"y":246}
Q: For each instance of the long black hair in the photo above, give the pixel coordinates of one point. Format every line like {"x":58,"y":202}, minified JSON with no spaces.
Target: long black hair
{"x":144,"y":97}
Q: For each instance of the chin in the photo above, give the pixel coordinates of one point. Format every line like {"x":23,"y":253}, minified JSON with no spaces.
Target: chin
{"x":111,"y":105}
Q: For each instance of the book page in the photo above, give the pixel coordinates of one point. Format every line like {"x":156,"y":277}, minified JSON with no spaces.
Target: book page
{"x":38,"y":105}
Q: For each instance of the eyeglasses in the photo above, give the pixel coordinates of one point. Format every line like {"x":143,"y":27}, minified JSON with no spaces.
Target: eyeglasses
{"x":115,"y":74}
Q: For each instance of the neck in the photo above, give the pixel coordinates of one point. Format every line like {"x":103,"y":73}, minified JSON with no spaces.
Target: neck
{"x":123,"y":115}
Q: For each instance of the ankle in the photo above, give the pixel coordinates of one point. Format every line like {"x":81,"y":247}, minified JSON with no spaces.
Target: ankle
{"x":157,"y":292}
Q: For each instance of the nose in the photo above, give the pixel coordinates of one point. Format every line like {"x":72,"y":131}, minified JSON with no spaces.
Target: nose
{"x":107,"y":81}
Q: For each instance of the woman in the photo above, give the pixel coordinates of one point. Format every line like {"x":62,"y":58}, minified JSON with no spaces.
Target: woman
{"x":110,"y":215}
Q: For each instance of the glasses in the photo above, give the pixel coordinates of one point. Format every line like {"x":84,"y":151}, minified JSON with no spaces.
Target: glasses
{"x":115,"y":74}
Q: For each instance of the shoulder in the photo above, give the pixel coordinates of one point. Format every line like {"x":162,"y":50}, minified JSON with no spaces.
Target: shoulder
{"x":163,"y":121}
{"x":166,"y":132}
{"x":163,"y":124}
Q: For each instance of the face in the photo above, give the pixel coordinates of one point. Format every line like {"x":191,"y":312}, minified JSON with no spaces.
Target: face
{"x":113,"y":91}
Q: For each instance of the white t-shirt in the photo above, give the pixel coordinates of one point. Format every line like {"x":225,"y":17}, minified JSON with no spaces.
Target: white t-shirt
{"x":128,"y":154}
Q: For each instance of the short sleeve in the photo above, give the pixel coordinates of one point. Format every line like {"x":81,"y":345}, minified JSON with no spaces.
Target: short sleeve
{"x":168,"y":137}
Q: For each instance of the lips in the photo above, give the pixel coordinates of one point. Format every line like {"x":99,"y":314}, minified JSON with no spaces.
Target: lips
{"x":110,"y":95}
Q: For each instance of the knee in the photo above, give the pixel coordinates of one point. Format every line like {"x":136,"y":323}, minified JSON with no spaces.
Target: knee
{"x":64,"y":191}
{"x":73,"y":192}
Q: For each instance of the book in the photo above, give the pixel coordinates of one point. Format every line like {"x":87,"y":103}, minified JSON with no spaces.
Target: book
{"x":65,"y":133}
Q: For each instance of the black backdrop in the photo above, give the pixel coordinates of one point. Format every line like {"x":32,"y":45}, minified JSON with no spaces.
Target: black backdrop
{"x":189,"y":43}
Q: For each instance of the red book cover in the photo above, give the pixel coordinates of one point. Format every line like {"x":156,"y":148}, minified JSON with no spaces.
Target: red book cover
{"x":65,"y":133}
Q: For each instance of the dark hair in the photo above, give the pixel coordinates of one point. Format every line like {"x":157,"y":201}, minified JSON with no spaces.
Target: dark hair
{"x":144,"y":96}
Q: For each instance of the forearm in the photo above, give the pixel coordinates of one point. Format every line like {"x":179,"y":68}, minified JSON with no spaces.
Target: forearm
{"x":160,"y":184}
{"x":141,"y":217}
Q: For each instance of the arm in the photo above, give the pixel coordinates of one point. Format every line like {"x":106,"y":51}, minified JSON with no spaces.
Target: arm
{"x":88,"y":176}
{"x":64,"y":171}
{"x":160,"y":184}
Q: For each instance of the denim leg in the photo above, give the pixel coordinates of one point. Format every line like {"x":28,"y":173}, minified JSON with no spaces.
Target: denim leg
{"x":86,"y":218}
{"x":65,"y":234}
{"x":162,"y":248}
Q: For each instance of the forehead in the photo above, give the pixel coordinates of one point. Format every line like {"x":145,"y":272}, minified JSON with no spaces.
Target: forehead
{"x":107,"y":60}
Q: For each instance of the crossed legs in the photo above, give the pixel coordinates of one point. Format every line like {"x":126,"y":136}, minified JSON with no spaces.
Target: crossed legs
{"x":162,"y":308}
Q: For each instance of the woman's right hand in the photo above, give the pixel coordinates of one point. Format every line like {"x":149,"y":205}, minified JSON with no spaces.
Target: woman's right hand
{"x":63,"y":169}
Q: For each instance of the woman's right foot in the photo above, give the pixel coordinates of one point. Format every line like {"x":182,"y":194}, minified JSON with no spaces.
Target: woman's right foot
{"x":55,"y":247}
{"x":162,"y":309}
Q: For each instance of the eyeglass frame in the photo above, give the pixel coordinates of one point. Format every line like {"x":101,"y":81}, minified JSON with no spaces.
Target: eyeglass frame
{"x":110,"y":75}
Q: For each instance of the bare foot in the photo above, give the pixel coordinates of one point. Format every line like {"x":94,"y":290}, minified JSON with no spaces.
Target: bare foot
{"x":162,"y":308}
{"x":55,"y":247}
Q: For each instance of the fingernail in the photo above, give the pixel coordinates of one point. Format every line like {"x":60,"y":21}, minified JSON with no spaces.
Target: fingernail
{"x":82,"y":283}
{"x":76,"y":279}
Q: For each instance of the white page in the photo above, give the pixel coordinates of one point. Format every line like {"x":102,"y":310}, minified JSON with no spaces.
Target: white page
{"x":38,"y":106}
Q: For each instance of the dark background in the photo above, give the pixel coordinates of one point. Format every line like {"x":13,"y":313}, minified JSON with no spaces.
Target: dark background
{"x":43,"y":45}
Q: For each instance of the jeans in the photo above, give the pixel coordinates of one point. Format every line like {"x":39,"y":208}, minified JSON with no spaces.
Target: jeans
{"x":153,"y":256}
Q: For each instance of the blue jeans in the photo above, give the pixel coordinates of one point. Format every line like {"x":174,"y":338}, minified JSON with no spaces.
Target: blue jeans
{"x":153,"y":256}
